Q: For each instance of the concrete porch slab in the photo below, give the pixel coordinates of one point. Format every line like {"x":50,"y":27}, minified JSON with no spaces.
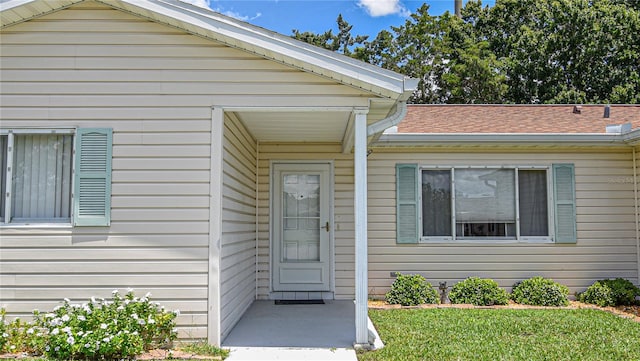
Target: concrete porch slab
{"x":290,"y":354}
{"x":329,"y":326}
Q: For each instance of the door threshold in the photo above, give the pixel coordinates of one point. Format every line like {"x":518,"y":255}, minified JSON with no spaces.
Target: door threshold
{"x":301,"y":295}
{"x":299,"y":302}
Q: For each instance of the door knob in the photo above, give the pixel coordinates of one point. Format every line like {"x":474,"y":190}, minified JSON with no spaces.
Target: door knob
{"x":326,"y":227}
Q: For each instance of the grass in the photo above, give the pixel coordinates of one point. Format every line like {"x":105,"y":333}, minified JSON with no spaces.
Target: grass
{"x":493,"y":334}
{"x":205,"y":349}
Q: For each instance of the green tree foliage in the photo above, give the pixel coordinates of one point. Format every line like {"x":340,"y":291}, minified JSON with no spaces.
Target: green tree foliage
{"x":518,"y":51}
{"x":341,"y":42}
{"x":566,"y":51}
{"x":440,"y":51}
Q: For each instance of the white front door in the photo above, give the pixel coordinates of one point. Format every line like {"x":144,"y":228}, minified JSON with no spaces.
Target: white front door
{"x":301,"y":220}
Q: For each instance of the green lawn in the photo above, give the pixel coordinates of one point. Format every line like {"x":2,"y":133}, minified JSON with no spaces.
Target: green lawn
{"x":492,"y":334}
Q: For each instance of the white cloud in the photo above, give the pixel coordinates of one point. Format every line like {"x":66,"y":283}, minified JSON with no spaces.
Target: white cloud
{"x":377,"y":8}
{"x":207,"y":5}
{"x":237,"y":15}
{"x":201,"y":3}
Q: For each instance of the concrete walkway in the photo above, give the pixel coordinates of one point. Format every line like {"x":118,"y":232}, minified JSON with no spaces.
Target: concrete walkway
{"x":294,"y":332}
{"x":290,"y":354}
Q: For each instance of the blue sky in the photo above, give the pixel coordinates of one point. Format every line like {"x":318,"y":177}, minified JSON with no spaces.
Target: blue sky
{"x":368,"y":17}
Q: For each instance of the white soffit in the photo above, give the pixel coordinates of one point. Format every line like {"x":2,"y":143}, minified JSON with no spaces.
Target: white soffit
{"x":241,"y":35}
{"x":296,"y":126}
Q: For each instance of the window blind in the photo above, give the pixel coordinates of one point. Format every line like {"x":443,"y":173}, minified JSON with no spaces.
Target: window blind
{"x":42,"y":177}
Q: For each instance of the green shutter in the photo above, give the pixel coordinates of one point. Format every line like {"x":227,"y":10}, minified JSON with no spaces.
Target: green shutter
{"x":92,"y":179}
{"x":564,"y":203}
{"x":407,"y":203}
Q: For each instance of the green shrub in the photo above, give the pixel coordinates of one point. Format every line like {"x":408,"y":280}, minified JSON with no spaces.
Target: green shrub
{"x":411,"y":290}
{"x":610,"y":293}
{"x":597,"y":294}
{"x":623,"y":291}
{"x":479,"y":292}
{"x":101,"y":329}
{"x":540,"y":291}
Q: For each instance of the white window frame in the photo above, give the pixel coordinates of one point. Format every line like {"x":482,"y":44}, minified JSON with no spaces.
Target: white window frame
{"x":7,"y":221}
{"x":518,"y":239}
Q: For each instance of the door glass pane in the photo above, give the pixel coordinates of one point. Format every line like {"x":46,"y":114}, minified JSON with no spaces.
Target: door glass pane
{"x":42,"y":177}
{"x":290,"y":202}
{"x":534,"y":218}
{"x":436,"y":203}
{"x":301,"y":213}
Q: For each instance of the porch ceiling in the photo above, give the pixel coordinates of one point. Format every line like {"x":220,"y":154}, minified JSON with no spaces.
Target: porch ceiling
{"x":321,"y":126}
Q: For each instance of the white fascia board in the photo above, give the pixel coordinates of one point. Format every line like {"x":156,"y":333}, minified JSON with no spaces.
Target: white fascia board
{"x":422,"y":139}
{"x":272,"y":45}
{"x":10,"y":4}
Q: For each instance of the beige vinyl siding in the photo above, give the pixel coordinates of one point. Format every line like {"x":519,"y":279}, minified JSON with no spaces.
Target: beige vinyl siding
{"x":84,"y":54}
{"x":238,"y":258}
{"x":92,"y":66}
{"x":636,"y":177}
{"x":343,"y":209}
{"x":606,"y":244}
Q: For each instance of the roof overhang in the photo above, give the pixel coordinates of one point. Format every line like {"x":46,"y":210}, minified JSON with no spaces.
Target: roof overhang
{"x":240,"y":35}
{"x":494,"y":139}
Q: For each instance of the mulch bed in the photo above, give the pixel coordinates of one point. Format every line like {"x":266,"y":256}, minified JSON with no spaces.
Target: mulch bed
{"x":630,"y":312}
{"x":149,"y":355}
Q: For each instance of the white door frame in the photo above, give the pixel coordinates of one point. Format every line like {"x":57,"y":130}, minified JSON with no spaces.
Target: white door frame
{"x":272,"y":212}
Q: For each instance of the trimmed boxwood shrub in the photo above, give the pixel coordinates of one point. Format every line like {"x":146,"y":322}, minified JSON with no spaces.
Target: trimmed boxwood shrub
{"x":478,"y":291}
{"x":610,"y":293}
{"x":411,"y":290}
{"x":539,"y":291}
{"x":597,"y":294}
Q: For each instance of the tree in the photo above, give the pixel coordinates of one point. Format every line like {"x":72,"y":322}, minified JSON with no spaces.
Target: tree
{"x":382,"y":51}
{"x":518,"y":51}
{"x":566,"y":51}
{"x":341,"y":42}
{"x":419,"y":54}
{"x":444,"y":53}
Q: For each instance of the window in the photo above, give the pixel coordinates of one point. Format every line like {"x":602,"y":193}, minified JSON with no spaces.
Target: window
{"x":472,"y":203}
{"x":485,"y":203}
{"x":37,"y":176}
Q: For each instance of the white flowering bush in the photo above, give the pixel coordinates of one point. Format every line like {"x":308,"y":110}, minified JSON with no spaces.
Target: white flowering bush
{"x":19,"y":336}
{"x":4,"y":336}
{"x":105,"y":329}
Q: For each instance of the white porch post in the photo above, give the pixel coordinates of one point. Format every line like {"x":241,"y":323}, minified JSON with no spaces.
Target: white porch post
{"x":215,"y":226}
{"x":360,"y":210}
